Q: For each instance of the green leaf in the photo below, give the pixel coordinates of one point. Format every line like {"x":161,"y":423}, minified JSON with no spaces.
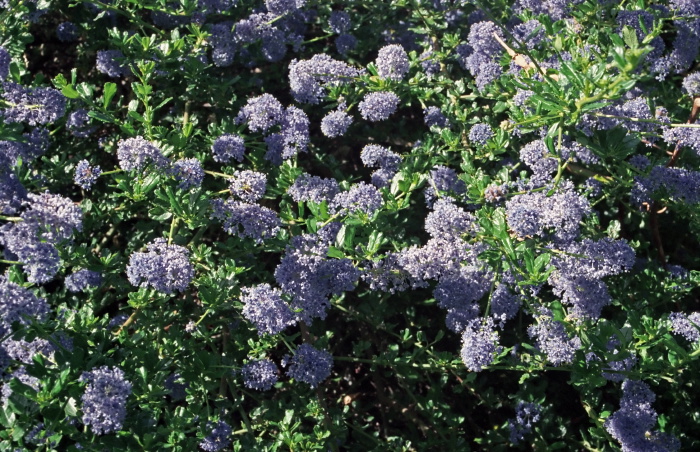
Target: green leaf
{"x":70,"y":92}
{"x":108,"y":92}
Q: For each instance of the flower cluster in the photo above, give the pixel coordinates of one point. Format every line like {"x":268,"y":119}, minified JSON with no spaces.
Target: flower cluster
{"x":392,"y":62}
{"x":310,"y":365}
{"x":378,"y":106}
{"x":104,"y":400}
{"x":164,"y":267}
{"x":246,"y":220}
{"x":265,"y":308}
{"x":188,"y":172}
{"x":686,"y":325}
{"x":631,"y":425}
{"x":18,"y":304}
{"x":137,"y":153}
{"x":309,"y":79}
{"x":336,"y":122}
{"x":479,"y":344}
{"x":82,"y":279}
{"x":260,"y":374}
{"x":218,"y":438}
{"x":227,"y":147}
{"x":361,"y":197}
{"x":310,"y":277}
{"x":32,"y":105}
{"x":313,"y":188}
{"x":526,"y":414}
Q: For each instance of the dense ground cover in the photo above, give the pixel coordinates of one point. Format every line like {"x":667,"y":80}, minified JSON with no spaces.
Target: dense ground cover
{"x":349,"y":225}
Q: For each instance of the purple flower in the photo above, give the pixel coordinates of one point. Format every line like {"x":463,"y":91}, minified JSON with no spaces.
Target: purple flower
{"x":85,"y":175}
{"x":189,"y":173}
{"x":552,"y":340}
{"x":246,"y":220}
{"x":12,"y":193}
{"x":495,"y":193}
{"x":259,"y":374}
{"x":691,"y":84}
{"x":248,"y":185}
{"x":526,"y":414}
{"x":445,"y":181}
{"x":532,"y":213}
{"x":55,"y":216}
{"x":504,"y":303}
{"x":361,"y":197}
{"x":313,"y":188}
{"x":280,"y":7}
{"x":164,"y":267}
{"x":686,"y":325}
{"x":82,"y":279}
{"x":449,"y":221}
{"x":223,"y":43}
{"x":5,"y":60}
{"x":430,"y":65}
{"x":678,"y":184}
{"x":265,"y":308}
{"x":392,"y":62}
{"x":104,"y":400}
{"x":227,"y":147}
{"x":480,"y":133}
{"x":41,"y":260}
{"x":378,"y":106}
{"x":107,"y":63}
{"x":631,"y":425}
{"x":32,"y":105}
{"x":23,"y":351}
{"x":292,"y":138}
{"x":373,"y":155}
{"x":339,"y":22}
{"x":345,"y":43}
{"x":137,"y":153}
{"x":434,"y":117}
{"x":176,"y":385}
{"x":310,"y":365}
{"x":308,"y":79}
{"x":79,"y":123}
{"x":261,"y":113}
{"x":536,"y":156}
{"x":67,"y":32}
{"x":310,"y":276}
{"x":219,"y":437}
{"x":479,"y":344}
{"x":18,"y":304}
{"x":336,"y":122}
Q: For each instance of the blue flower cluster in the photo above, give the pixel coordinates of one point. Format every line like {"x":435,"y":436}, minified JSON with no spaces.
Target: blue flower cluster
{"x":260,"y":374}
{"x":104,"y":399}
{"x":164,"y":267}
{"x":85,"y":175}
{"x":135,"y":154}
{"x":632,"y":424}
{"x":32,"y":105}
{"x":310,"y":365}
{"x":526,"y":414}
{"x":80,"y":280}
{"x":310,"y":277}
{"x":218,"y":438}
{"x":310,"y":79}
{"x":313,"y":188}
{"x":479,"y":344}
{"x":227,"y":147}
{"x":378,"y":106}
{"x":336,"y":122}
{"x":392,"y":62}
{"x":264,"y":307}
